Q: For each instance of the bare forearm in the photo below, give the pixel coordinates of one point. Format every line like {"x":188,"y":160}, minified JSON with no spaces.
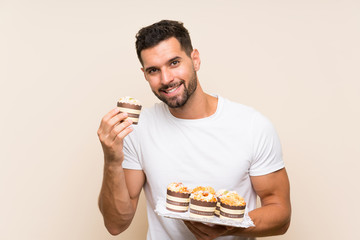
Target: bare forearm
{"x":273,"y":218}
{"x":269,"y":220}
{"x":114,"y":201}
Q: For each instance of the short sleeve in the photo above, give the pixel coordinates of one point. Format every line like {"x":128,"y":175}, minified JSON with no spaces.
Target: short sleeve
{"x":131,"y":152}
{"x":267,"y":152}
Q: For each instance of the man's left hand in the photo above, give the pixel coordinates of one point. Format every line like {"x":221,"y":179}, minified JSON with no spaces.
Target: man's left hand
{"x":207,"y":232}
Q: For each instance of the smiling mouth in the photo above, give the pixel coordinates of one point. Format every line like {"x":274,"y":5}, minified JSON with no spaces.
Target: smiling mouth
{"x":171,"y":90}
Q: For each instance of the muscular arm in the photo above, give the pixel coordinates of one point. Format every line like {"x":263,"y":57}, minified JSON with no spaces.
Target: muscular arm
{"x":273,"y":217}
{"x":119,"y":196}
{"x":121,"y":188}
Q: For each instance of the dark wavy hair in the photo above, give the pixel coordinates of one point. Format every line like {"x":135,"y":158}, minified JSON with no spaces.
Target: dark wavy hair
{"x":150,"y":36}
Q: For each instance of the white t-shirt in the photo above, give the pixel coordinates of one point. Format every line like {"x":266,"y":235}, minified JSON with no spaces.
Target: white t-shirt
{"x":222,"y":151}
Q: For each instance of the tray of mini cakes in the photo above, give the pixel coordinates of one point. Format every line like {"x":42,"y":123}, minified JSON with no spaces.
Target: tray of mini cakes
{"x":203,"y":204}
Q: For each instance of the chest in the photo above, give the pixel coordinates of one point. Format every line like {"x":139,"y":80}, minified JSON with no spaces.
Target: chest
{"x":219,"y":157}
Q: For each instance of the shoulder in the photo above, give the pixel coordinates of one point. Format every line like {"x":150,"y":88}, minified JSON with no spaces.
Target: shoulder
{"x":243,"y":114}
{"x":237,"y":109}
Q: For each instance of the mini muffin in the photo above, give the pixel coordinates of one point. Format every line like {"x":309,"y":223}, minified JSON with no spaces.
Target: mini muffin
{"x":218,"y":195}
{"x":177,"y":197}
{"x":202,"y":204}
{"x":232,"y":206}
{"x":204,"y":189}
{"x":131,"y":106}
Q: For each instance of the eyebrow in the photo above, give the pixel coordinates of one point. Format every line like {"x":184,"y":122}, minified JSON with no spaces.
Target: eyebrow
{"x":173,"y":59}
{"x":169,"y":61}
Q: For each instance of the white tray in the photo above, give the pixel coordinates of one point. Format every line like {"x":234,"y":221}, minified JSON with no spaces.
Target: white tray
{"x":162,"y":211}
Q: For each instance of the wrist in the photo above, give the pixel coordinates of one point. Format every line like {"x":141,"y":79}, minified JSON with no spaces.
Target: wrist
{"x":112,"y":160}
{"x":113,"y":169}
{"x":112,"y":164}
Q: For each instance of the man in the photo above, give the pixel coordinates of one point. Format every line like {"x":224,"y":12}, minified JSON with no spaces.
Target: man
{"x":191,"y":137}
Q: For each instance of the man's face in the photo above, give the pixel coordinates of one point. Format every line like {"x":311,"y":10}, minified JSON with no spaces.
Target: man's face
{"x":170,"y":72}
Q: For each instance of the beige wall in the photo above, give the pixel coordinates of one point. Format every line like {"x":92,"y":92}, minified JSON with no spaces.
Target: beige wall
{"x":63,"y":64}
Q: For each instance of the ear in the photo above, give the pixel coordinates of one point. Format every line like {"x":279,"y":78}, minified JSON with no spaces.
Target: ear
{"x":142,"y":69}
{"x":195,"y":57}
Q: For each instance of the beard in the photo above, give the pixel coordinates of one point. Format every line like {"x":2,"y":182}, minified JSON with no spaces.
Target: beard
{"x":179,"y":101}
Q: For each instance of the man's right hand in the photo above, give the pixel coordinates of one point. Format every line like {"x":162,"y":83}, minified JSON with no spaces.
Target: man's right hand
{"x":112,"y":131}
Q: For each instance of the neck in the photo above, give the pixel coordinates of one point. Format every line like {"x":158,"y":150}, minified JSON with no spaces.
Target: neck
{"x":199,"y":105}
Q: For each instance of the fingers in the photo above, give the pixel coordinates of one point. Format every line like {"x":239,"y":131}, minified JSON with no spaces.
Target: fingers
{"x":198,"y":234}
{"x":111,"y":119}
{"x":205,"y":232}
{"x":110,"y":115}
{"x":114,"y":127}
{"x":120,"y":131}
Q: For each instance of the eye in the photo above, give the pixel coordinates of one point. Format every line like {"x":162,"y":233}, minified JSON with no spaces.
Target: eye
{"x":152,"y":70}
{"x":175,"y":62}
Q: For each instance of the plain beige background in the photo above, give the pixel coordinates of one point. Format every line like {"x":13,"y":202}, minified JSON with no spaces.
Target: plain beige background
{"x":64,"y":64}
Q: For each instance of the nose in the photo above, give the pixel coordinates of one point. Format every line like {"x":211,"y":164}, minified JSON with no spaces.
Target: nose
{"x":166,"y":77}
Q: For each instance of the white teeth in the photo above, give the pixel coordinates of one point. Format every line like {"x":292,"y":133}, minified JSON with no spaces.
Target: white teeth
{"x":170,"y":91}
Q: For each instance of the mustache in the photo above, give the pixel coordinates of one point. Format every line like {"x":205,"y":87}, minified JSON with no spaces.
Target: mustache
{"x":171,"y":85}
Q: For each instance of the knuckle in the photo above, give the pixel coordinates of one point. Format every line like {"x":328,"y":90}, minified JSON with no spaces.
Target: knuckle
{"x":99,"y":132}
{"x":103,"y":121}
{"x":110,"y":121}
{"x":118,"y":137}
{"x":101,"y":138}
{"x":116,"y":130}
